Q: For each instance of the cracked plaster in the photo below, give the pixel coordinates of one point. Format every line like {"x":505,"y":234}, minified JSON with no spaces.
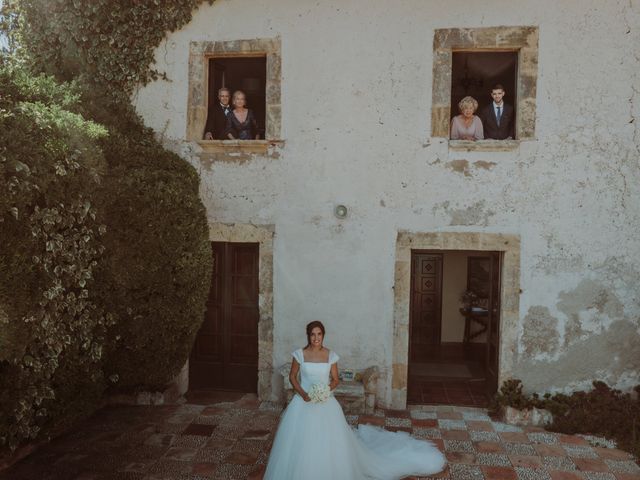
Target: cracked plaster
{"x":570,"y":191}
{"x":540,"y":334}
{"x":475,"y":214}
{"x":598,"y":342}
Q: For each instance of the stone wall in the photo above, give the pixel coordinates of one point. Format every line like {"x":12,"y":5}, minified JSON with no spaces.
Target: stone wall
{"x":360,"y":126}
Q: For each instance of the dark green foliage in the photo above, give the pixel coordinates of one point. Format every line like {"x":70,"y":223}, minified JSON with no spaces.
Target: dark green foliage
{"x":602,"y":411}
{"x":116,"y":306}
{"x":50,"y":325}
{"x":80,"y":302}
{"x":157,"y":275}
{"x":103,"y":42}
{"x":510,"y":394}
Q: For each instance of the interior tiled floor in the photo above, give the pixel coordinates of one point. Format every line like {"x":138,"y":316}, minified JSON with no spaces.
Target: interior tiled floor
{"x":448,"y":392}
{"x":228,"y":436}
{"x":437,"y":380}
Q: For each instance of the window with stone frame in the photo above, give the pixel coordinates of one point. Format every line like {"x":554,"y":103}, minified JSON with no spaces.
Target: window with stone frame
{"x":253,"y":65}
{"x":246,"y":75}
{"x":512,"y":49}
{"x":475,"y":74}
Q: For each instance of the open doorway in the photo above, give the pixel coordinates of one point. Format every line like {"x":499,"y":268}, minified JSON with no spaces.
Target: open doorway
{"x":454,"y":326}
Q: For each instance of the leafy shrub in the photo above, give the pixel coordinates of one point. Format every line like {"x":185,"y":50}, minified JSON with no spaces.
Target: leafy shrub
{"x":50,"y":324}
{"x":106,"y":42}
{"x":601,"y":411}
{"x":151,"y":266}
{"x":510,"y":394}
{"x":157,"y":274}
{"x":149,"y":269}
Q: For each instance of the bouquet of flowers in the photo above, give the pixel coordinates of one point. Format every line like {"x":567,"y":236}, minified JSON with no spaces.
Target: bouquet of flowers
{"x":319,"y":393}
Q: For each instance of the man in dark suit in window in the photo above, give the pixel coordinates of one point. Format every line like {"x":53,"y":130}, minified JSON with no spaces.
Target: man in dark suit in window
{"x":497,"y":117}
{"x":217,"y":116}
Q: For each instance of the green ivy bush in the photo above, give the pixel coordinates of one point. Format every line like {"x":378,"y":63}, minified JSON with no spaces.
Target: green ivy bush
{"x":104,"y":253}
{"x":156,"y":276}
{"x":601,"y":411}
{"x":52,"y":331}
{"x":129,"y":321}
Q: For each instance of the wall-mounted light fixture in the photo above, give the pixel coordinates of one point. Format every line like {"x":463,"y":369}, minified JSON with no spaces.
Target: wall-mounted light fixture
{"x":340,"y":211}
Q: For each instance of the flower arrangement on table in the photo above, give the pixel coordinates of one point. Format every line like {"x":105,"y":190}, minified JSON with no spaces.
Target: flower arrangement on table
{"x":469,"y":299}
{"x":319,"y":393}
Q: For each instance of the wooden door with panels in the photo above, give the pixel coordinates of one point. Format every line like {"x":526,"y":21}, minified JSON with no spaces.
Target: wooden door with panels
{"x":225,"y":352}
{"x":425,"y":304}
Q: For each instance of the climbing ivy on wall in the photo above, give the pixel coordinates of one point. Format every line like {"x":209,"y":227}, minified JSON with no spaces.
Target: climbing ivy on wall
{"x":103,"y":42}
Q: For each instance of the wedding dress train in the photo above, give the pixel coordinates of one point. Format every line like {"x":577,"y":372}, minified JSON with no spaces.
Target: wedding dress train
{"x":315,"y":442}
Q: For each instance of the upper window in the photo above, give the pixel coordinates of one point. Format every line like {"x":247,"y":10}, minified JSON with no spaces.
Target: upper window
{"x":470,"y":62}
{"x":236,"y":106}
{"x":252,"y":70}
{"x":489,"y":79}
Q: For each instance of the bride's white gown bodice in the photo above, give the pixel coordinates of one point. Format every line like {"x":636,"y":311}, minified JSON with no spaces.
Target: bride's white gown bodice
{"x":312,"y":373}
{"x":315,"y":442}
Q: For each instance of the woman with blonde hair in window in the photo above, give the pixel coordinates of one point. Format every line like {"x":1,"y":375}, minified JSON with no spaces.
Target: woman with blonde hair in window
{"x":467,"y":125}
{"x":241,"y":122}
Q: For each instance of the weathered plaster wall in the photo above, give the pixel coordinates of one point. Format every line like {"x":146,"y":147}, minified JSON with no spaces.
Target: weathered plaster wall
{"x":356,"y":120}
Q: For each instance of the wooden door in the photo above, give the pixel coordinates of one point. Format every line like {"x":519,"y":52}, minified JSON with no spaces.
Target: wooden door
{"x":225,"y":353}
{"x":425,"y":304}
{"x":493,"y":324}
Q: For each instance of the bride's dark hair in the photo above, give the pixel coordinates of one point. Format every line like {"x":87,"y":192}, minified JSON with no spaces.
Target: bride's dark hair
{"x":310,"y":327}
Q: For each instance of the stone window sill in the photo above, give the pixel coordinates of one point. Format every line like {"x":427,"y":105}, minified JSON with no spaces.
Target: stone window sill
{"x":484,"y":145}
{"x":238,"y":146}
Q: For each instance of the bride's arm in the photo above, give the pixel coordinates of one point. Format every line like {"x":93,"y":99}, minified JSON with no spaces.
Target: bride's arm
{"x":293,"y":378}
{"x":335,"y":379}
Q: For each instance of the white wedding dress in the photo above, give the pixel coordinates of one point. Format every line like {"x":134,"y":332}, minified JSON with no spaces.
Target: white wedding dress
{"x":315,"y":442}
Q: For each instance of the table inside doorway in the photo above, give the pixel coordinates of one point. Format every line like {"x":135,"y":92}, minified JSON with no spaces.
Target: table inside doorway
{"x":473,"y":317}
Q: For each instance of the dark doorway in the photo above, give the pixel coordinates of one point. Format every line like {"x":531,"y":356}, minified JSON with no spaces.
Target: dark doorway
{"x":474,"y":73}
{"x":225,"y":353}
{"x":248,"y":74}
{"x":454,"y":335}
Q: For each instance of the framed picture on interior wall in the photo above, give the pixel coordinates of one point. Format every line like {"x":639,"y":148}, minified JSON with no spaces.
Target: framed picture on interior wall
{"x":479,"y":276}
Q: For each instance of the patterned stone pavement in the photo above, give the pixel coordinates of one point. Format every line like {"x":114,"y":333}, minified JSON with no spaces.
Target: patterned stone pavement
{"x":228,"y":436}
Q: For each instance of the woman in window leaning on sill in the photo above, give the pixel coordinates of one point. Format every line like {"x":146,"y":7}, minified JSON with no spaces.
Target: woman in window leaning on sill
{"x":241,"y":122}
{"x":467,"y":126}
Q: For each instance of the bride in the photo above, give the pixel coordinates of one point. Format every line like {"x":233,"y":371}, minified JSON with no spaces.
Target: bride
{"x":315,"y":442}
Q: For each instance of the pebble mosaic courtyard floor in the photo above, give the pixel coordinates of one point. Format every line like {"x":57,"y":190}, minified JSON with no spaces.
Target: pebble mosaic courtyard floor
{"x":228,"y":436}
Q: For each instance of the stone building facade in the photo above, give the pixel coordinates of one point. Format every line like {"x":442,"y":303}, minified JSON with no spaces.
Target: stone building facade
{"x":357,"y":109}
